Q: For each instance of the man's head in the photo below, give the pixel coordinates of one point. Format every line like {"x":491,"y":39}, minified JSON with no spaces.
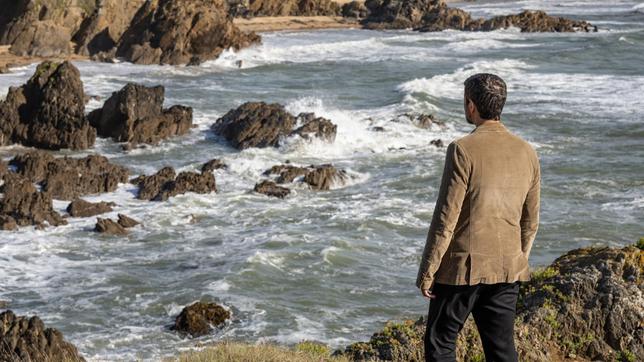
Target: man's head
{"x":485,"y":96}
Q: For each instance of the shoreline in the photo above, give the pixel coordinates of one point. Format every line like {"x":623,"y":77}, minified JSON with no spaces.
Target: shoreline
{"x":266,"y":24}
{"x":9,"y":60}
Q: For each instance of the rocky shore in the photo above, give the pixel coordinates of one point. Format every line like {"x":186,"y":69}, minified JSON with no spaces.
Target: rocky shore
{"x":588,"y":305}
{"x":193,"y":31}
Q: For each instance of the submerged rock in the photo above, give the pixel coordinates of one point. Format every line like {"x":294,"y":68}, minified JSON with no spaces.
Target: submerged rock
{"x":270,"y":188}
{"x":321,"y":177}
{"x":27,"y":339}
{"x":135,"y":114}
{"x":212,"y":165}
{"x":22,"y":204}
{"x":82,"y":208}
{"x":199,"y":318}
{"x":589,"y":304}
{"x":67,"y":178}
{"x":48,"y":111}
{"x":258,"y":124}
{"x":110,"y":227}
{"x":181,"y":32}
{"x":127,"y":222}
{"x":165,"y":184}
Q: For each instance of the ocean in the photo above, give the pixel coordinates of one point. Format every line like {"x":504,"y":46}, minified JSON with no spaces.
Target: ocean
{"x":333,"y":266}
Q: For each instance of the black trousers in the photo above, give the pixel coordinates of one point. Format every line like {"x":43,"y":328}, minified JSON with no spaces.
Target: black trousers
{"x":493,"y":307}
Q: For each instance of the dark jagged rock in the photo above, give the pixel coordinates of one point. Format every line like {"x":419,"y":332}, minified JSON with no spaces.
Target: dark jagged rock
{"x":321,"y":177}
{"x":82,"y":208}
{"x":8,"y":223}
{"x":288,"y":8}
{"x":199,"y":318}
{"x":181,"y":32}
{"x":270,"y":188}
{"x":27,"y":339}
{"x":257,"y":124}
{"x":420,"y":120}
{"x":23,"y":205}
{"x":110,"y":227}
{"x":355,"y":9}
{"x":48,"y":111}
{"x":588,"y":305}
{"x":438,"y":143}
{"x":212,"y":165}
{"x":127,"y":222}
{"x":135,"y":114}
{"x":67,"y":178}
{"x":163,"y":185}
{"x":4,"y":168}
{"x":435,"y":15}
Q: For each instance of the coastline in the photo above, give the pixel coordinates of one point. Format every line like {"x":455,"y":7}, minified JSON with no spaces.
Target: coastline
{"x":9,"y":60}
{"x":284,"y":23}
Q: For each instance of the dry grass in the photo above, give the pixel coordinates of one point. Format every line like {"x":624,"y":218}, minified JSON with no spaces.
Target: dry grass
{"x":242,"y":352}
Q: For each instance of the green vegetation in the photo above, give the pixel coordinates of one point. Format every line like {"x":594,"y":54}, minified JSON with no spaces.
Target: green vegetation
{"x":313,"y":348}
{"x":640,"y":244}
{"x":542,"y":274}
{"x":626,"y":356}
{"x":243,"y":352}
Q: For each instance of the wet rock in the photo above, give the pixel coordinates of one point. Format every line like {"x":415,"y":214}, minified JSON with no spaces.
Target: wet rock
{"x":82,"y":208}
{"x":399,"y":14}
{"x":355,"y":9}
{"x":212,"y":165}
{"x":420,"y":120}
{"x":321,"y":177}
{"x":163,"y":185}
{"x":27,"y":339}
{"x":127,"y":222}
{"x":200,"y":318}
{"x":270,"y":188}
{"x":135,"y":114}
{"x":22,"y":204}
{"x":48,"y":111}
{"x":537,"y":21}
{"x":438,"y":143}
{"x":8,"y":223}
{"x":257,"y":124}
{"x":67,"y":178}
{"x":109,"y":227}
{"x":588,"y":304}
{"x":181,"y":32}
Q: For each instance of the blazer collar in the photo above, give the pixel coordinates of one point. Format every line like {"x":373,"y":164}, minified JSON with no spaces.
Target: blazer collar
{"x":490,"y":127}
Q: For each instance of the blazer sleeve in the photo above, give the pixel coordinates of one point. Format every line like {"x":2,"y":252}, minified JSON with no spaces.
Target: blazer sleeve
{"x":530,"y":214}
{"x":454,"y":185}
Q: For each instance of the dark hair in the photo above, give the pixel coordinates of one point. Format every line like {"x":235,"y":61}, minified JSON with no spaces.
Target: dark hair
{"x":488,"y":92}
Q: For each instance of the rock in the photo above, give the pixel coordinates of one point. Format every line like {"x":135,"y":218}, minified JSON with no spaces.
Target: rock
{"x":270,"y":188}
{"x":292,"y":8}
{"x":257,"y":124}
{"x":435,"y":15}
{"x":199,"y":318}
{"x":8,"y":223}
{"x":588,"y":304}
{"x":181,"y":32}
{"x":355,"y":9}
{"x":27,"y":339}
{"x":82,"y":208}
{"x":23,"y":205}
{"x":420,"y":120}
{"x":67,"y":178}
{"x":4,"y":168}
{"x":163,"y":185}
{"x":48,"y":111}
{"x":127,"y":222}
{"x":212,"y":165}
{"x":109,"y":227}
{"x":438,"y":143}
{"x":135,"y":114}
{"x":321,"y":177}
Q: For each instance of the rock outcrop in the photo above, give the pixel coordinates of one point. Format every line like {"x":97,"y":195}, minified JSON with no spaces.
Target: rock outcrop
{"x":115,"y":228}
{"x":22,"y":204}
{"x":212,"y":165}
{"x":27,"y":339}
{"x":270,"y":188}
{"x":286,"y":8}
{"x":135,"y":115}
{"x":257,"y":124}
{"x":199,"y":318}
{"x":420,"y":120}
{"x":127,"y":222}
{"x":319,"y":178}
{"x":48,"y":111}
{"x":355,"y":9}
{"x":82,"y":208}
{"x":67,"y":178}
{"x":181,"y":32}
{"x":588,"y":305}
{"x":435,"y":15}
{"x":166,"y":184}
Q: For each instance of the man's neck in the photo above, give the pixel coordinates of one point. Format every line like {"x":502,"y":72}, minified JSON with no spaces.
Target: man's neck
{"x":488,"y":121}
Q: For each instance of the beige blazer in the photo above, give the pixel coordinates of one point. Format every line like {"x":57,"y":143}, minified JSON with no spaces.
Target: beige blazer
{"x":487,"y":212}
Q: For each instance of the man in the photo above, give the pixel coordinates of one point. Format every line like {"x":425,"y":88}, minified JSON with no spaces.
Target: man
{"x":482,"y":230}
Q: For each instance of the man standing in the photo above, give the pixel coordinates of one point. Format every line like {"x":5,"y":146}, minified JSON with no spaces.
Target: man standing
{"x":482,"y":230}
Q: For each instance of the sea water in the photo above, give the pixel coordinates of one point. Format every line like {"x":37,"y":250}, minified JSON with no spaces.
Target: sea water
{"x":334,"y":266}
